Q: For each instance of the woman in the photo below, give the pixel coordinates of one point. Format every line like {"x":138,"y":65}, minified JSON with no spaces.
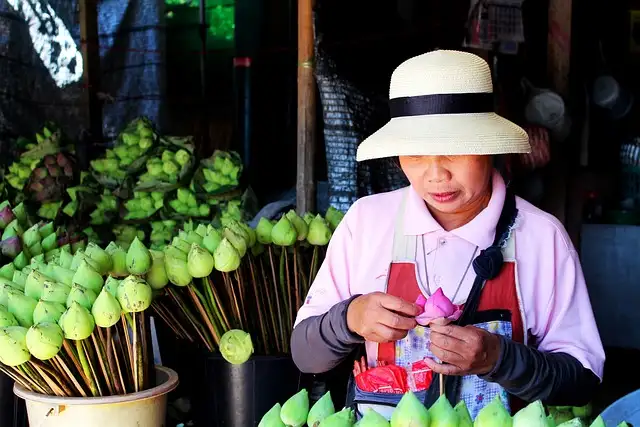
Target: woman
{"x":527,"y":330}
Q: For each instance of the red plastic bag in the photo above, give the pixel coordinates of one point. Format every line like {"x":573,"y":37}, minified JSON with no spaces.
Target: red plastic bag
{"x":420,"y":376}
{"x":383,"y":379}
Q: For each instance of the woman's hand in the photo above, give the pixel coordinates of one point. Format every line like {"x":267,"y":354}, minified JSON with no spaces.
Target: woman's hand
{"x":463,"y":350}
{"x":380,"y":317}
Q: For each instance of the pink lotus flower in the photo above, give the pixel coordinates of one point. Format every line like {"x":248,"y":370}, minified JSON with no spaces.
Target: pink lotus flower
{"x":438,"y":306}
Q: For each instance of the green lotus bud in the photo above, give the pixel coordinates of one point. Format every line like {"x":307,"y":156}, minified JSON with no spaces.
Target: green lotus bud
{"x":598,"y":422}
{"x":373,"y":419}
{"x":410,"y":412}
{"x":294,"y":412}
{"x":38,"y":260}
{"x":157,"y":275}
{"x":106,"y":309}
{"x":52,"y":256}
{"x":533,"y":415}
{"x":138,"y":258}
{"x":83,"y":296}
{"x":319,"y":232}
{"x":61,"y":274}
{"x":100,"y":256}
{"x":334,"y":217}
{"x":55,"y":292}
{"x":561,"y":414}
{"x":238,"y":228}
{"x":21,"y":307}
{"x":19,"y":279}
{"x":201,"y":230}
{"x":193,"y":237}
{"x":13,"y":346}
{"x":181,"y":244}
{"x":119,"y":260}
{"x":252,"y":238}
{"x":236,"y":240}
{"x":21,"y":261}
{"x":212,"y":240}
{"x":47,"y":312}
{"x":284,"y":233}
{"x":441,"y":414}
{"x":134,"y":295}
{"x":81,"y":256}
{"x":582,"y":411}
{"x":226,"y":258}
{"x":111,"y":285}
{"x":6,"y":318}
{"x":20,"y":213}
{"x":298,"y":223}
{"x":31,"y":236}
{"x":36,"y":250}
{"x":172,"y":251}
{"x":49,"y":243}
{"x":344,"y":418}
{"x":263,"y":231}
{"x":236,"y":347}
{"x":463,"y":414}
{"x":308,"y":217}
{"x":44,"y":340}
{"x":65,"y":259}
{"x":177,"y":270}
{"x":272,"y":417}
{"x":577,"y":422}
{"x":321,"y":410}
{"x":47,"y":230}
{"x":493,"y":414}
{"x":199,"y":262}
{"x":182,"y":157}
{"x":7,"y":271}
{"x":77,"y":323}
{"x":88,"y":278}
{"x":17,"y":228}
{"x":4,"y":293}
{"x":34,"y":284}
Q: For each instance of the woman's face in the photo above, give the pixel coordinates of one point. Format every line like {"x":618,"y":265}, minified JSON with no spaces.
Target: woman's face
{"x":449,"y":184}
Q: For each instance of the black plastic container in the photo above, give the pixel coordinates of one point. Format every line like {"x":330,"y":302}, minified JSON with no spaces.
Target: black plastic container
{"x":239,"y":395}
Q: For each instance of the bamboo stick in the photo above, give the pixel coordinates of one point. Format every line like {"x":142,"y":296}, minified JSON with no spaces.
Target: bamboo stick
{"x":64,"y":368}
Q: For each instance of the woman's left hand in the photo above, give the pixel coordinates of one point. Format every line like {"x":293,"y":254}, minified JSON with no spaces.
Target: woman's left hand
{"x":463,"y":350}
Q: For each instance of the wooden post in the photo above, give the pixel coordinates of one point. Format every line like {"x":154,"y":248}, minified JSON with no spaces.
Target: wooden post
{"x":305,"y":180}
{"x":91,"y":61}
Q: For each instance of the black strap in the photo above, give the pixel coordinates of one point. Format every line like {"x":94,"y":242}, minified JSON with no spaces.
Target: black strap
{"x":446,"y":103}
{"x":487,"y":266}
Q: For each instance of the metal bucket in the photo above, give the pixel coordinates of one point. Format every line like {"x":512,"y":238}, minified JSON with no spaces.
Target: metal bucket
{"x":625,"y":409}
{"x":146,"y":408}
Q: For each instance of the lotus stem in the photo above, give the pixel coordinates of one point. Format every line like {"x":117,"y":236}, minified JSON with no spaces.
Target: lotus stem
{"x":270,"y":305}
{"x":101,"y":356}
{"x":76,"y":362}
{"x":314,"y":261}
{"x":242,"y":288}
{"x":234,"y":299}
{"x":119,"y":369}
{"x":295,"y":280}
{"x":197,"y":326}
{"x":57,"y":390}
{"x":275,"y":286}
{"x":263,"y":328}
{"x":88,"y":369}
{"x":204,"y":315}
{"x":15,"y":377}
{"x":33,"y":376}
{"x":289,"y":294}
{"x":63,"y":366}
{"x":210,"y":293}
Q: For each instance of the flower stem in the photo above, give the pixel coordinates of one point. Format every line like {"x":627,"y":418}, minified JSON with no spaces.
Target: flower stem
{"x":86,"y":369}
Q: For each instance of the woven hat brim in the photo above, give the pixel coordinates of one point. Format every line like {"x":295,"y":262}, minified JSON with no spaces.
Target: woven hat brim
{"x":445,"y":134}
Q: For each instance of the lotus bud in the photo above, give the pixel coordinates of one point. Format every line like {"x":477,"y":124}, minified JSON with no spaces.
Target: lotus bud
{"x":100,"y":256}
{"x":334,"y":217}
{"x":111,"y":285}
{"x":237,"y":228}
{"x":11,"y":247}
{"x":157,"y":275}
{"x":47,"y":312}
{"x":441,"y":413}
{"x":106,"y":310}
{"x":19,"y":280}
{"x":226,"y":258}
{"x":272,"y":417}
{"x":252,"y":238}
{"x":6,"y":318}
{"x":263,"y":231}
{"x":119,"y":260}
{"x":410,"y":412}
{"x":52,"y":256}
{"x":322,"y":409}
{"x":20,"y":213}
{"x":212,"y":240}
{"x":4,"y":293}
{"x":46,"y":230}
{"x":6,"y":271}
{"x":65,"y":259}
{"x":437,"y":306}
{"x":13,"y":346}
{"x":319,"y":232}
{"x":294,"y":412}
{"x":344,"y":418}
{"x":199,"y":262}
{"x":38,"y":260}
{"x":78,"y":257}
{"x":298,"y":223}
{"x":534,"y":415}
{"x":236,"y":346}
{"x":9,"y":232}
{"x":599,"y":422}
{"x":31,"y":236}
{"x":257,"y":249}
{"x":55,"y":292}
{"x":181,"y":244}
{"x":201,"y":230}
{"x":172,"y":251}
{"x":83,"y":296}
{"x":21,"y":307}
{"x":463,"y":414}
{"x":177,"y":270}
{"x":49,"y":243}
{"x":80,"y":244}
{"x":61,"y":274}
{"x":373,"y":419}
{"x":284,"y":233}
{"x":134,"y":295}
{"x":21,"y":261}
{"x":34,"y":284}
{"x":77,"y":323}
{"x":36,"y":249}
{"x":494,"y":414}
{"x":44,"y":340}
{"x":88,"y":278}
{"x":138,"y":258}
{"x":6,"y":217}
{"x":193,"y":237}
{"x":236,"y":240}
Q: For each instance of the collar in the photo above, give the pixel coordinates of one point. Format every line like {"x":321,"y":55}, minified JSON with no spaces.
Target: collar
{"x":480,"y":231}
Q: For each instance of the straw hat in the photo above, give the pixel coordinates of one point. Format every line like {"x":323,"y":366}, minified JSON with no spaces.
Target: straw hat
{"x":442,"y":103}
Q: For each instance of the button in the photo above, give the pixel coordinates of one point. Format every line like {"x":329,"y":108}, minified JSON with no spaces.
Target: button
{"x":443,"y":242}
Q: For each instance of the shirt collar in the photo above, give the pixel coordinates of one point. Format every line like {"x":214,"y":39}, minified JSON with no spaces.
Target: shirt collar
{"x":480,"y":231}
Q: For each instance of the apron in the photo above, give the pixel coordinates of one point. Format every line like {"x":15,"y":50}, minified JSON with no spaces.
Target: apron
{"x":493,"y":304}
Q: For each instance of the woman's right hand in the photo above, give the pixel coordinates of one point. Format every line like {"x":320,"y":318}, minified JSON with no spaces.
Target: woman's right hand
{"x":380,"y":317}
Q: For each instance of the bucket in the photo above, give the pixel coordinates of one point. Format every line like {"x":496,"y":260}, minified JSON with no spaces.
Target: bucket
{"x":146,"y":408}
{"x":239,"y":395}
{"x":625,"y":409}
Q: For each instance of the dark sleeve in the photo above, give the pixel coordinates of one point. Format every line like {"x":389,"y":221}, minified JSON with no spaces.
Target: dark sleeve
{"x":557,"y":379}
{"x":320,"y":343}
